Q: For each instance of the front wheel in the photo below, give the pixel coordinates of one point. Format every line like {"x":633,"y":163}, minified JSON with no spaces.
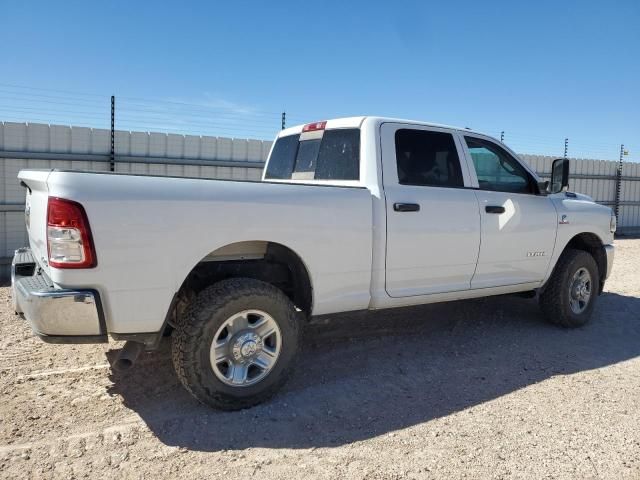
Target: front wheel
{"x":570,"y":294}
{"x":237,"y":343}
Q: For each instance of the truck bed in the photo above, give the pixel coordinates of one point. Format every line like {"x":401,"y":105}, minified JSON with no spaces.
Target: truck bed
{"x":150,"y":231}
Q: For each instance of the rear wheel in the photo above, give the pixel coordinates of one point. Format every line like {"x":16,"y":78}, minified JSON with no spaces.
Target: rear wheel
{"x":570,"y":294}
{"x":237,"y":343}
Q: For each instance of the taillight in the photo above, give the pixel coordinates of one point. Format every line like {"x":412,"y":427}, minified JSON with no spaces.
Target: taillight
{"x":68,"y":235}
{"x":311,"y":127}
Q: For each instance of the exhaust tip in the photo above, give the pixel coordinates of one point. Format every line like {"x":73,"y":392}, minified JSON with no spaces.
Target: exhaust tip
{"x":122,"y":364}
{"x":127,"y":356}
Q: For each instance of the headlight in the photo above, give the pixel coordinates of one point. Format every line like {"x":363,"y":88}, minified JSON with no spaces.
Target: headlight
{"x":613,"y":223}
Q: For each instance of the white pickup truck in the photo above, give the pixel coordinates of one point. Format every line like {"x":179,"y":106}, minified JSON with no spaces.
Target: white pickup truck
{"x":351,"y":214}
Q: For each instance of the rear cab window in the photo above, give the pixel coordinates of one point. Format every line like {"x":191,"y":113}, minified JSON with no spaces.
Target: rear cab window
{"x":327,"y":155}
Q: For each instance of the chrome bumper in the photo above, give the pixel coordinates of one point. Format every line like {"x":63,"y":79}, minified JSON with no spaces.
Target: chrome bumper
{"x":610,"y":251}
{"x":56,"y":315}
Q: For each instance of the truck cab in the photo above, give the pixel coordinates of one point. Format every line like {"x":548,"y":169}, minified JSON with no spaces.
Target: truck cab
{"x":461,"y":212}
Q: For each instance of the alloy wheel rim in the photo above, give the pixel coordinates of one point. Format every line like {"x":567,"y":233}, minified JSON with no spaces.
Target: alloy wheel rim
{"x":245,"y":348}
{"x":580,"y":290}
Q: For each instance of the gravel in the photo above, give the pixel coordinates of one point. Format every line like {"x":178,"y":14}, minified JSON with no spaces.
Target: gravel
{"x":473,"y":389}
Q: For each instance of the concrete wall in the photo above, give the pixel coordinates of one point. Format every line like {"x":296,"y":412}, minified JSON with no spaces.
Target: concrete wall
{"x":218,"y":156}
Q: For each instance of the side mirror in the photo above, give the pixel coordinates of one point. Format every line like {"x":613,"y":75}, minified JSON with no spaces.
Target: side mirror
{"x":559,"y":176}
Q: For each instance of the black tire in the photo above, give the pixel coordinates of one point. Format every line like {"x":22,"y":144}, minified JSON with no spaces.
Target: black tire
{"x":191,"y":341}
{"x":554,"y":300}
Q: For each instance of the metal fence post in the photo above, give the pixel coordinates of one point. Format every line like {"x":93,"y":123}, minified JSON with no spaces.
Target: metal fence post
{"x":618,"y":183}
{"x":284,"y":120}
{"x":112,"y":163}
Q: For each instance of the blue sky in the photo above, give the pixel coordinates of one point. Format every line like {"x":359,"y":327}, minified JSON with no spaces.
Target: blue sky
{"x":541,"y":71}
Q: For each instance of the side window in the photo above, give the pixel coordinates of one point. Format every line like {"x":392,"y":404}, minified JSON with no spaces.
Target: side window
{"x":496,"y":169}
{"x":427,"y":158}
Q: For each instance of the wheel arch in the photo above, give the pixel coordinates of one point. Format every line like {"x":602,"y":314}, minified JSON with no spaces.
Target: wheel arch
{"x":591,"y":243}
{"x":271,"y":262}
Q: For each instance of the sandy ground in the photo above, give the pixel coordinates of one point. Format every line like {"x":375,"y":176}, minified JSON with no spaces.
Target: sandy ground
{"x":475,"y":389}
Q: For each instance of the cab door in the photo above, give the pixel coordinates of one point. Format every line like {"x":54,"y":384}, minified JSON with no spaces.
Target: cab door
{"x":433,"y":221}
{"x":518,"y":224}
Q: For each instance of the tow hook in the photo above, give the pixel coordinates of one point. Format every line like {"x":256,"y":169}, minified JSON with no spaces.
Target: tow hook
{"x":127,"y":356}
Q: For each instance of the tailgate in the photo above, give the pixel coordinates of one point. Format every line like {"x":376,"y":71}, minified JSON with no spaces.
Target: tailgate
{"x":37,"y":194}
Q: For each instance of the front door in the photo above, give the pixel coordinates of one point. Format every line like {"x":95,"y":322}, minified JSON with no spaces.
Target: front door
{"x":518,"y":224}
{"x":433,"y":223}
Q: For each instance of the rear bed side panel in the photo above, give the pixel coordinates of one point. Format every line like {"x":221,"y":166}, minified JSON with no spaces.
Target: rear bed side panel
{"x":149,"y":232}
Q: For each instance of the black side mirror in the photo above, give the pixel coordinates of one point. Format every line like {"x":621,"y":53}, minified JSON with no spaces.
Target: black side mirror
{"x":559,"y":176}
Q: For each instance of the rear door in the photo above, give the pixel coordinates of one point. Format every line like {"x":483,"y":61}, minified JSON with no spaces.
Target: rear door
{"x":518,"y":224}
{"x":433,"y":223}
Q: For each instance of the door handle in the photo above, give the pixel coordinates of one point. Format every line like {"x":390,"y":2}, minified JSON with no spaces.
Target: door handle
{"x":493,"y":209}
{"x":406,"y":207}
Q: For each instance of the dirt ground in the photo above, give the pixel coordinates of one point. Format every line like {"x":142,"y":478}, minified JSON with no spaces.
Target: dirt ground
{"x":474,"y":389}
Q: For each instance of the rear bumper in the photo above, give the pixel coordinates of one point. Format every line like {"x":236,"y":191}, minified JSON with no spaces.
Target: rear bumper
{"x":610,"y":252}
{"x":56,"y":315}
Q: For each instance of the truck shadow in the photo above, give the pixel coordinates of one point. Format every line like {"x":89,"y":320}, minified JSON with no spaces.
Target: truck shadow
{"x":364,"y":376}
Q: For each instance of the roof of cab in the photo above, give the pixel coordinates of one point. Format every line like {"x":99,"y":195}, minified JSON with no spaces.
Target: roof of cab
{"x":356,"y":122}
